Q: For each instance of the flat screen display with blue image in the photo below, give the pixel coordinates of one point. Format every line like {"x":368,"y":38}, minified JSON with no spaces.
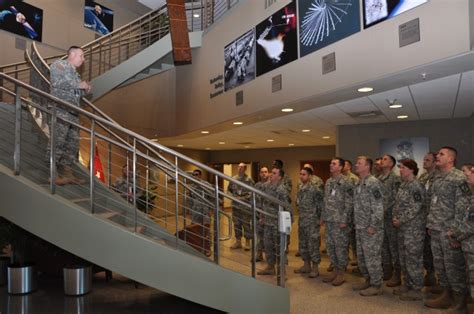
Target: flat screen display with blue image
{"x":376,"y":11}
{"x":21,"y":18}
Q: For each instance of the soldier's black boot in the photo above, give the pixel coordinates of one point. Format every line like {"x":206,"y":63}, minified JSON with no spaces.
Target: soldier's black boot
{"x":444,"y":301}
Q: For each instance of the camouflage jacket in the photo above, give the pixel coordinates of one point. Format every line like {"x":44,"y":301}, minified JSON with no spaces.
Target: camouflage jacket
{"x":287,"y":183}
{"x":369,"y":203}
{"x":65,"y":82}
{"x":427,"y":180}
{"x":198,"y":196}
{"x":239,"y":191}
{"x":353,"y":178}
{"x":315,"y":180}
{"x":391,"y":183}
{"x":449,"y":201}
{"x":338,"y":200}
{"x":408,"y":208}
{"x":262,"y":186}
{"x":309,"y":201}
{"x":280,"y":192}
{"x":465,"y":231}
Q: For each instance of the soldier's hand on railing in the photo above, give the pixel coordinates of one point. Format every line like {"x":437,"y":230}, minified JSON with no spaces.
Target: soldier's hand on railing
{"x":85,"y":86}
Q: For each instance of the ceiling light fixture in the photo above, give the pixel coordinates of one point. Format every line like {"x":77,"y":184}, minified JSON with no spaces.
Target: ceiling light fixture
{"x":238,"y":123}
{"x":207,"y":148}
{"x":402,"y":116}
{"x":395,"y":106}
{"x":287,"y":110}
{"x":221,"y":143}
{"x":196,"y":15}
{"x":270,"y":140}
{"x":365,"y":89}
{"x":291,"y":144}
{"x":326,"y":137}
{"x":305,"y":130}
{"x":205,"y":132}
{"x":180,"y":145}
{"x":247,"y":146}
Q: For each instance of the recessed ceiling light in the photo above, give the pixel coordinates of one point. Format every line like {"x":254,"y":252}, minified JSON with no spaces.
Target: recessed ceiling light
{"x":305,"y":131}
{"x":196,"y":15}
{"x":204,"y":132}
{"x":237,"y":123}
{"x":402,"y":116}
{"x":180,"y":145}
{"x":326,"y":137}
{"x":287,"y":110}
{"x":291,"y":144}
{"x":247,"y":146}
{"x":270,"y":140}
{"x":221,"y":143}
{"x":207,"y":148}
{"x":366,"y":89}
{"x":395,"y":106}
{"x":154,"y":140}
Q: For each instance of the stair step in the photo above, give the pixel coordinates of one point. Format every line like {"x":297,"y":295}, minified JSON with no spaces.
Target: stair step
{"x":107,"y":215}
{"x":140,"y":229}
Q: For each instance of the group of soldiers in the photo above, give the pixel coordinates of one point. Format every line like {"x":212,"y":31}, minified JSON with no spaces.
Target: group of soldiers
{"x":412,"y":232}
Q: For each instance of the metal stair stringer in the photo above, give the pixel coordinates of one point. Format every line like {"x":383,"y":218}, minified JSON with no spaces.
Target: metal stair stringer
{"x":136,"y":64}
{"x":149,"y":262}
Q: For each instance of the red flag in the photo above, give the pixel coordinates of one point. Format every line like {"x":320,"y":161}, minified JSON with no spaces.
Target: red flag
{"x":98,"y":169}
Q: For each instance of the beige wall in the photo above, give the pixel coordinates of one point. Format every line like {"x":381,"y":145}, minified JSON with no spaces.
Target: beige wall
{"x":63,"y":26}
{"x":368,"y":55}
{"x":354,"y":140}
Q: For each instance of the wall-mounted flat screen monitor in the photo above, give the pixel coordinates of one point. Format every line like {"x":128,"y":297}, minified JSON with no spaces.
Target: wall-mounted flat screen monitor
{"x":277,"y":42}
{"x":325,"y":22}
{"x":239,"y":59}
{"x":376,"y":11}
{"x":21,"y":18}
{"x":98,"y":18}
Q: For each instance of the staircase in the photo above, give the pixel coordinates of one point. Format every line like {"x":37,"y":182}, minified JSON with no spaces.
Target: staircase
{"x":153,"y":245}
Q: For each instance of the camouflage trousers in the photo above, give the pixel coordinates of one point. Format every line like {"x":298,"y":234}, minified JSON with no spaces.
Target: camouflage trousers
{"x":260,"y":234}
{"x":241,"y":219}
{"x":309,"y":238}
{"x":369,"y":255}
{"x":66,"y":146}
{"x":467,"y":247}
{"x":337,"y":243}
{"x":390,"y":243}
{"x":449,"y":263}
{"x":352,"y":241}
{"x":410,"y":243}
{"x":427,"y":254}
{"x":271,"y":239}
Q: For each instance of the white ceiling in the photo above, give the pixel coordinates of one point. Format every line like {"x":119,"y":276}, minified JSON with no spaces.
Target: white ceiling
{"x":446,"y":97}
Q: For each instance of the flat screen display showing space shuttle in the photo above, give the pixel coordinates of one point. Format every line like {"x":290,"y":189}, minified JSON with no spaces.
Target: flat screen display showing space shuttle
{"x":277,"y":40}
{"x":376,"y":11}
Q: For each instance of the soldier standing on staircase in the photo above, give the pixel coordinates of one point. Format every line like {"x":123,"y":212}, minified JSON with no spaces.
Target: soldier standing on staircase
{"x":66,"y":84}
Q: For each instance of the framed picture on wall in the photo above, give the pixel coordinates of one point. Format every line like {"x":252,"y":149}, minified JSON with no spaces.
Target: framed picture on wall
{"x":376,"y":11}
{"x":239,"y":59}
{"x":21,"y":18}
{"x":410,"y":147}
{"x":98,"y":18}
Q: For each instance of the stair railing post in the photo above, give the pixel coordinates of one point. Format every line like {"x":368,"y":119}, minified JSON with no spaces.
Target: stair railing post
{"x":185,"y":199}
{"x":166,"y":200}
{"x":254,"y":230}
{"x":147,"y":182}
{"x":109,"y":166}
{"x":1,"y":85}
{"x":134,"y":182}
{"x":91,"y":167}
{"x":120,"y":47}
{"x":176,"y":198}
{"x":100,"y":58}
{"x":17,"y":151}
{"x":52,"y":149}
{"x":216,"y":222}
{"x":90,"y":63}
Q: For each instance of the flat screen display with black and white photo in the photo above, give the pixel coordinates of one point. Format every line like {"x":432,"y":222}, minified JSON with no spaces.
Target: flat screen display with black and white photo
{"x":21,"y":18}
{"x":277,"y":41}
{"x":376,"y":11}
{"x":239,"y":58}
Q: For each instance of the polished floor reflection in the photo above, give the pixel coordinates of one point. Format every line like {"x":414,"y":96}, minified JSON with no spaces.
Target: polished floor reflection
{"x":120,"y":295}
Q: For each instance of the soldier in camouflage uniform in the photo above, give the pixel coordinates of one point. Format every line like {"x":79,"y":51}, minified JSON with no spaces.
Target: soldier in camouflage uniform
{"x":261,"y":185}
{"x":369,"y":223}
{"x":465,"y":234}
{"x":347,"y":171}
{"x":409,"y":218}
{"x":390,"y":257}
{"x":241,"y":215}
{"x":124,"y":185}
{"x":276,"y":189}
{"x":309,"y":201}
{"x":200,"y":211}
{"x":67,"y":85}
{"x":449,"y":204}
{"x":427,"y":179}
{"x":337,"y":217}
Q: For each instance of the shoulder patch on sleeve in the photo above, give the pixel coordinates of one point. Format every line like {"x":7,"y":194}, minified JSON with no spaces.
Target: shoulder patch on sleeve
{"x":377,"y":194}
{"x":465,"y":188}
{"x":417,"y":196}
